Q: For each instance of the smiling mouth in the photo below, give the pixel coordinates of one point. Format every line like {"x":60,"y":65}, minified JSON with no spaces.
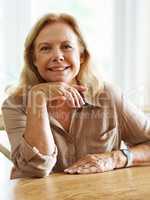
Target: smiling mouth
{"x":57,"y":69}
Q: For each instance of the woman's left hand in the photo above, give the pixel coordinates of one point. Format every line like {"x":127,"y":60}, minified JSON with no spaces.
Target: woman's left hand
{"x":93,"y":163}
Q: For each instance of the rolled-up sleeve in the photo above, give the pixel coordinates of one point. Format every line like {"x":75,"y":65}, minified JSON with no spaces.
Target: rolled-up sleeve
{"x":31,"y":162}
{"x":28,"y":161}
{"x":133,"y":123}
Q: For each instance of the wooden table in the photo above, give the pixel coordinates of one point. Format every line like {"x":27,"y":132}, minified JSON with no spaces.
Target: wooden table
{"x":128,"y":184}
{"x":5,"y":163}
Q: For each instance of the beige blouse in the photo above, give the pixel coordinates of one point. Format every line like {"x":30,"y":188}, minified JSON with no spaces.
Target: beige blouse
{"x":98,"y":126}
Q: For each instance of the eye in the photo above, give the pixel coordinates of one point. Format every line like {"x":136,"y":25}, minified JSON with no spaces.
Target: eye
{"x":45,"y":48}
{"x":67,"y":47}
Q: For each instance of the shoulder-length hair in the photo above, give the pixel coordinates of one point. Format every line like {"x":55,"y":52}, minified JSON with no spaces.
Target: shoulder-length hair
{"x":30,"y":75}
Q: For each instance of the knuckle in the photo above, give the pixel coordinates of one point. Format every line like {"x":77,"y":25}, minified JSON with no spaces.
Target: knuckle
{"x":88,"y":156}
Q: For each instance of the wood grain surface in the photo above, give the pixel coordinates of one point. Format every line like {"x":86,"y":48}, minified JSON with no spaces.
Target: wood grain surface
{"x":128,"y":184}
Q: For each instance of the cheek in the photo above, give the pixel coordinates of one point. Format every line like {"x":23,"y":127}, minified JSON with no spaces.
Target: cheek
{"x":40,"y":64}
{"x":40,"y":59}
{"x":76,"y":58}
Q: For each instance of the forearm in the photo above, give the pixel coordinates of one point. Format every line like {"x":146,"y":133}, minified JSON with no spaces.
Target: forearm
{"x":38,"y":132}
{"x":140,"y":155}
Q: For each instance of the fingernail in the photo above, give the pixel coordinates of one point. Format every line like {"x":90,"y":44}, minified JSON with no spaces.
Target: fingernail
{"x":70,"y":171}
{"x":83,"y":103}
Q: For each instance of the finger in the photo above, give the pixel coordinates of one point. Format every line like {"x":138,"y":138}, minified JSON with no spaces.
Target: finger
{"x":62,"y":98}
{"x":79,"y":97}
{"x":80,"y":164}
{"x":83,"y":169}
{"x":76,"y":97}
{"x":55,"y":92}
{"x":70,"y":171}
{"x":92,"y":169}
{"x":70,"y":99}
{"x":56,"y":101}
{"x":80,"y":88}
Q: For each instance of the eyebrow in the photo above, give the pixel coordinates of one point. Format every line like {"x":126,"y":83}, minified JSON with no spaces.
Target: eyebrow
{"x":47,"y":43}
{"x":43,"y":43}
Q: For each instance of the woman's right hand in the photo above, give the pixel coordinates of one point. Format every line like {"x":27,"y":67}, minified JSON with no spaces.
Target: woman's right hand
{"x":55,"y":94}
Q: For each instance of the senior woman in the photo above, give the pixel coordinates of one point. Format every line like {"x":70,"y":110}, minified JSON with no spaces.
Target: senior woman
{"x":61,"y":117}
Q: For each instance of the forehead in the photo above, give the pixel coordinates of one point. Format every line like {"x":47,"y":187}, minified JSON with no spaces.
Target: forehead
{"x":56,"y":32}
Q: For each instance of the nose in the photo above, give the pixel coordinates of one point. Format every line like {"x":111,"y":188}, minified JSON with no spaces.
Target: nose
{"x":57,"y":56}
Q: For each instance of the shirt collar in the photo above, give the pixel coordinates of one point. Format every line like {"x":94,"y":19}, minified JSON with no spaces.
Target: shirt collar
{"x":98,"y":99}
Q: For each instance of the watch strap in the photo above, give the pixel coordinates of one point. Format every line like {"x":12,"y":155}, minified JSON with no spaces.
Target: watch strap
{"x":128,"y":156}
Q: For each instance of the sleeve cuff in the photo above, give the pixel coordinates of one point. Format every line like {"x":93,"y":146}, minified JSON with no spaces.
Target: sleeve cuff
{"x":30,"y":152}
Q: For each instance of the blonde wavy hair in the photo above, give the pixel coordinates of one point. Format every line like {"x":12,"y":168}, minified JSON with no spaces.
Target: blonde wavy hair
{"x":30,"y":75}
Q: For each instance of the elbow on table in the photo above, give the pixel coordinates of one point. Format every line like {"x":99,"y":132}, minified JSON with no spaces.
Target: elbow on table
{"x":31,"y":163}
{"x":30,"y":172}
{"x":32,"y":169}
{"x":43,"y":169}
{"x":40,"y":173}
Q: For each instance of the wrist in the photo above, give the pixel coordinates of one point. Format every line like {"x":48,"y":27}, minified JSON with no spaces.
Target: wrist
{"x":129,"y":157}
{"x":36,"y":99}
{"x":119,"y":159}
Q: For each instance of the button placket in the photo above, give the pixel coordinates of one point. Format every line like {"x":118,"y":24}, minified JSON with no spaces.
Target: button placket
{"x":71,"y":153}
{"x":71,"y":143}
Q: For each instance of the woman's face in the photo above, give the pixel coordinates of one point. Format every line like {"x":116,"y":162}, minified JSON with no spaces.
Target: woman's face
{"x":57,"y":53}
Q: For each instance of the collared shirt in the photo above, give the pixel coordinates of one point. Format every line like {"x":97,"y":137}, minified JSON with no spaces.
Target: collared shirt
{"x":99,"y":126}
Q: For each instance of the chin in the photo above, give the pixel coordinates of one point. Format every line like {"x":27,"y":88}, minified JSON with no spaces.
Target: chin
{"x":57,"y":80}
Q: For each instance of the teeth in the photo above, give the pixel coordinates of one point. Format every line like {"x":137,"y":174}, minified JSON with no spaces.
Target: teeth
{"x":58,"y":69}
